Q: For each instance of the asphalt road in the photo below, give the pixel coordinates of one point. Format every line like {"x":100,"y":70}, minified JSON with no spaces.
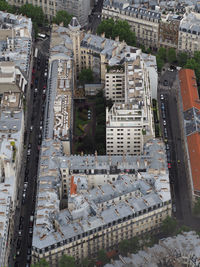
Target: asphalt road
{"x":178,"y":180}
{"x":95,"y":17}
{"x":21,"y":245}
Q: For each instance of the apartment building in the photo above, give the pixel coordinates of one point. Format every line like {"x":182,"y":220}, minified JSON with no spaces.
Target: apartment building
{"x":189,"y":107}
{"x":79,"y":8}
{"x":109,"y":198}
{"x":129,"y":124}
{"x":16,"y":40}
{"x":11,"y":149}
{"x":59,"y":108}
{"x":144,"y":22}
{"x":115,"y":84}
{"x":169,"y":30}
{"x":180,"y":250}
{"x":95,"y":52}
{"x":189,"y":33}
{"x":15,"y":53}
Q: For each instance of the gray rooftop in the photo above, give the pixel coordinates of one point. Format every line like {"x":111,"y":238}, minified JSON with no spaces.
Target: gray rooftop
{"x":148,"y":186}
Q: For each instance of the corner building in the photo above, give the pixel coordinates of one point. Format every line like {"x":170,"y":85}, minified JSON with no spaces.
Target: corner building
{"x":109,"y":198}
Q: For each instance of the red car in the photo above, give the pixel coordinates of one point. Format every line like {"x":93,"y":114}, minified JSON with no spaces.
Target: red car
{"x":169,"y":165}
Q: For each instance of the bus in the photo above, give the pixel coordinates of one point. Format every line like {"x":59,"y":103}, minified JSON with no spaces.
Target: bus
{"x":36,"y":52}
{"x":41,"y":36}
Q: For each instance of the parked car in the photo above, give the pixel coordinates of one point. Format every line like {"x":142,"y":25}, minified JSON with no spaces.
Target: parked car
{"x":30,"y":231}
{"x":163,"y":114}
{"x":29,"y":152}
{"x":162,"y":97}
{"x":164,"y":122}
{"x":20,"y":233}
{"x":165,"y":83}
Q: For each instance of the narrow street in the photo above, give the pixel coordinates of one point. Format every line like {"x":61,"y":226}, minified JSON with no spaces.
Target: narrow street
{"x":178,"y":180}
{"x":21,"y":247}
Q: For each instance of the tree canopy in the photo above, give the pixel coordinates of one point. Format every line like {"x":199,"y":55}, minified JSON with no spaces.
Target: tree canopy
{"x":33,"y":12}
{"x":102,"y":256}
{"x":67,"y":261}
{"x":4,"y":6}
{"x":41,"y":263}
{"x":117,"y":28}
{"x":162,"y":53}
{"x":182,"y":59}
{"x":86,"y":76}
{"x":194,"y":63}
{"x":171,"y":55}
{"x":169,"y":226}
{"x":62,"y":16}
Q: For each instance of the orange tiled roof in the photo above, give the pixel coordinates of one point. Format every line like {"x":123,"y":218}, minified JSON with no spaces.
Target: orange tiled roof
{"x":73,"y":186}
{"x":189,"y":91}
{"x":194,"y":152}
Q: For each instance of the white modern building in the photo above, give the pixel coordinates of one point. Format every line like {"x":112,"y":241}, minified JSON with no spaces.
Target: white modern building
{"x":129,"y":124}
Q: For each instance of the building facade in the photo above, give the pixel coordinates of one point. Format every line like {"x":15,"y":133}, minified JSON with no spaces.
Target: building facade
{"x":79,"y":8}
{"x":115,"y":85}
{"x":15,"y":54}
{"x":129,"y":124}
{"x":109,"y":198}
{"x":11,"y":151}
{"x":144,"y":22}
{"x":189,"y":33}
{"x":168,"y":31}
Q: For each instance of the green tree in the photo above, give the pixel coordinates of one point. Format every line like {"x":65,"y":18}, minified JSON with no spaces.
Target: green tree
{"x":183,"y":228}
{"x":162,"y":53}
{"x":171,"y":55}
{"x":41,"y":263}
{"x":196,"y":209}
{"x":123,"y":30}
{"x":168,"y":226}
{"x":67,"y":261}
{"x":160,"y":62}
{"x":106,"y":26}
{"x":33,"y":12}
{"x":134,"y":244}
{"x":86,"y":76}
{"x":124,"y":247}
{"x":182,"y":59}
{"x":87,"y":263}
{"x":193,"y":64}
{"x":102,"y":256}
{"x":4,"y":6}
{"x":62,"y":16}
{"x":149,"y":51}
{"x":117,"y":28}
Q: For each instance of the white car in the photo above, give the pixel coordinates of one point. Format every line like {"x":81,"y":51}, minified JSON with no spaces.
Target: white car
{"x":164,"y":122}
{"x":162,"y":97}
